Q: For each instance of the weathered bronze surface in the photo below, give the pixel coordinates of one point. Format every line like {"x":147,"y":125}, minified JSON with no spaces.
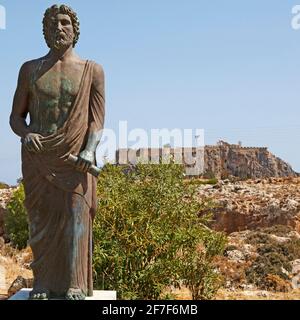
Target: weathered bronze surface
{"x":64,"y":98}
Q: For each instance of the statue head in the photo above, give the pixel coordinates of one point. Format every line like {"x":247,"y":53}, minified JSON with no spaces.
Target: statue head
{"x":60,"y":27}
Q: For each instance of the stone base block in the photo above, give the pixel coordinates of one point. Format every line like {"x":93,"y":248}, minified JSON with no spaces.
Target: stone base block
{"x":23,"y":294}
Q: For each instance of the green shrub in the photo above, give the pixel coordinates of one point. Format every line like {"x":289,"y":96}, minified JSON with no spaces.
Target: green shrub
{"x":209,"y":175}
{"x":15,"y":221}
{"x":258,"y":238}
{"x":148,"y":234}
{"x":278,"y":230}
{"x":277,"y":284}
{"x":228,"y":248}
{"x":274,"y":258}
{"x":197,"y":181}
{"x":265,"y":265}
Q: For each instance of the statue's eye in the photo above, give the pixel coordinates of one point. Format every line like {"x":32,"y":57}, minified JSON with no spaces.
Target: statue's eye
{"x":65,"y":22}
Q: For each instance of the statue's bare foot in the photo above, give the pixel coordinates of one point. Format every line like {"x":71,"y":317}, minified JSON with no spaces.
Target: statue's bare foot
{"x":75,"y":294}
{"x":39,"y":294}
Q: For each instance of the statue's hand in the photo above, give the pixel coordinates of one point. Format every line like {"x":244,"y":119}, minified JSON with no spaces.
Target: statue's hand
{"x":32,"y":142}
{"x":85,"y":159}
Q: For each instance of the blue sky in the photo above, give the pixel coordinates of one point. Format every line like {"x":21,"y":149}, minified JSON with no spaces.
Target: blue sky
{"x":229,"y":67}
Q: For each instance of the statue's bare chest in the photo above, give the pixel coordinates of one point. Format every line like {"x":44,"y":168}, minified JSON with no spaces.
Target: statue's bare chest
{"x":59,"y":84}
{"x":53,"y":93}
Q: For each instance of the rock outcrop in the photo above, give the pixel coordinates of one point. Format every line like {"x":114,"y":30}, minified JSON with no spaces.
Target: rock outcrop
{"x":18,"y":284}
{"x":253,"y":204}
{"x":225,"y":160}
{"x":222,"y":161}
{"x":267,"y":259}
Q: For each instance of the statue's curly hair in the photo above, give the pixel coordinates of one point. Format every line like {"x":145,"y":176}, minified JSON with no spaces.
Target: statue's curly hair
{"x":50,"y":14}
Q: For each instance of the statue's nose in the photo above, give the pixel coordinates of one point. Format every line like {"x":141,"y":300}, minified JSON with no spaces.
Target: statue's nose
{"x":59,"y":26}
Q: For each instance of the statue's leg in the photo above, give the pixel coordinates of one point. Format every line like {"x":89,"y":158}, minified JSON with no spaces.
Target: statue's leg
{"x":39,"y":243}
{"x":49,"y":223}
{"x":60,"y":239}
{"x":79,"y":247}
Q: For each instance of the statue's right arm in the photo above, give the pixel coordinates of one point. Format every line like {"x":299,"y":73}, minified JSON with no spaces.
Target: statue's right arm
{"x":20,"y":110}
{"x":20,"y":104}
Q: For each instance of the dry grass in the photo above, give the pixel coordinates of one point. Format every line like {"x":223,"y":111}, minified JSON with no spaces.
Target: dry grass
{"x":13,"y":263}
{"x":223,"y":294}
{"x":257,"y":295}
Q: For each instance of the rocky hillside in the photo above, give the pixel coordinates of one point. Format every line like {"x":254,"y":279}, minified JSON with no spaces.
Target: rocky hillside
{"x":262,"y":264}
{"x":267,"y":259}
{"x":225,"y":160}
{"x":252,"y":204}
{"x":262,"y":258}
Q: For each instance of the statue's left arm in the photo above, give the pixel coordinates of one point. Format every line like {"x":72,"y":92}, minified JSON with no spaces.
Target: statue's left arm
{"x":96,"y":120}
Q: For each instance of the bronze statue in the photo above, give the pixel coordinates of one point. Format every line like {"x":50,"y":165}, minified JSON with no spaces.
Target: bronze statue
{"x":64,"y":97}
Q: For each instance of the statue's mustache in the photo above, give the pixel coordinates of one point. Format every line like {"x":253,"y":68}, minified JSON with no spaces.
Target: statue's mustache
{"x":61,"y":37}
{"x":60,"y":34}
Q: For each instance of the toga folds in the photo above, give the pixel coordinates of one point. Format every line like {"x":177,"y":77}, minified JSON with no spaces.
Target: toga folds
{"x":60,"y":201}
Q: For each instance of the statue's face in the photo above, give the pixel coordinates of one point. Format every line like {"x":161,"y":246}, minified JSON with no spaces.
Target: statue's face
{"x":62,"y":32}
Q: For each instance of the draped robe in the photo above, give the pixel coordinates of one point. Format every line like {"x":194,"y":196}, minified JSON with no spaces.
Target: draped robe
{"x":61,"y":201}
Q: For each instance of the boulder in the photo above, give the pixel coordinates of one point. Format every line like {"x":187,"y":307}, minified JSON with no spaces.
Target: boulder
{"x":18,"y":284}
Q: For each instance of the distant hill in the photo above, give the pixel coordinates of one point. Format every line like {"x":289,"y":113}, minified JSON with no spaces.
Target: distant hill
{"x":222,"y":161}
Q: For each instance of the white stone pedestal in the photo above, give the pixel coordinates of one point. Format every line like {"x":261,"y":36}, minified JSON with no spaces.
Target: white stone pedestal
{"x":23,"y":294}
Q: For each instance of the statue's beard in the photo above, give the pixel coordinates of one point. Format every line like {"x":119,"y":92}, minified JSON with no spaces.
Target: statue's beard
{"x":62,"y":40}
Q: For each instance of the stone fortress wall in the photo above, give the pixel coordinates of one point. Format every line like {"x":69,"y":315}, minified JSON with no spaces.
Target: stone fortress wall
{"x":221,"y":160}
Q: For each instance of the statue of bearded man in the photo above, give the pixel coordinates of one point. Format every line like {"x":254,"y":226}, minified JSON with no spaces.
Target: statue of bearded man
{"x":64,"y":98}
